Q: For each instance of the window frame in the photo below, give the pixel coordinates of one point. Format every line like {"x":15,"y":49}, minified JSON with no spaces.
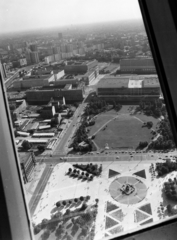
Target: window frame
{"x":11,"y":186}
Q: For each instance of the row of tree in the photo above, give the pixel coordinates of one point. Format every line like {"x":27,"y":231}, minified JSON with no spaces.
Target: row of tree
{"x":97,"y":105}
{"x":90,"y":168}
{"x":170,"y":189}
{"x":165,"y":140}
{"x":81,"y":136}
{"x":152,"y":108}
{"x":163,"y":168}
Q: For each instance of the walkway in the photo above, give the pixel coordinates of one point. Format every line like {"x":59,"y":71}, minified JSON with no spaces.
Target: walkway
{"x":40,"y":188}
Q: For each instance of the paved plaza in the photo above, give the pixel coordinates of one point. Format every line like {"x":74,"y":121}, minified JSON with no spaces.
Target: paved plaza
{"x":128,"y":196}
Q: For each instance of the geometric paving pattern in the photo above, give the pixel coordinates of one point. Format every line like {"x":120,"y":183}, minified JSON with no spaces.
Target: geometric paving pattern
{"x":118,"y":215}
{"x":141,"y":173}
{"x":148,"y":221}
{"x":146,"y":208}
{"x":140,"y":216}
{"x":110,"y":207}
{"x":116,"y":230}
{"x":110,"y":222}
{"x":113,"y":173}
{"x":134,"y":197}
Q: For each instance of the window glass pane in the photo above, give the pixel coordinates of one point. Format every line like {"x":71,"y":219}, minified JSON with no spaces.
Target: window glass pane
{"x":95,"y":146}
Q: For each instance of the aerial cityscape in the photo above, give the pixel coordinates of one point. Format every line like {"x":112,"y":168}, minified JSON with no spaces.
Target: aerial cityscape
{"x":94,"y":140}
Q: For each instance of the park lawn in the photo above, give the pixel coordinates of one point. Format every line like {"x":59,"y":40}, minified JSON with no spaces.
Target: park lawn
{"x":101,"y":120}
{"x":124,"y":132}
{"x":148,"y":119}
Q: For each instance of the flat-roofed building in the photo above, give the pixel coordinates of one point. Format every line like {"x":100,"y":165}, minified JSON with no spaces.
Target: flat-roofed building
{"x":44,"y":96}
{"x":136,"y":65}
{"x":128,"y":88}
{"x":80,"y":67}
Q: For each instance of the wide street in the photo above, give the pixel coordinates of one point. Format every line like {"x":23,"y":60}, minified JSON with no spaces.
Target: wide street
{"x":60,"y":149}
{"x":108,"y":157}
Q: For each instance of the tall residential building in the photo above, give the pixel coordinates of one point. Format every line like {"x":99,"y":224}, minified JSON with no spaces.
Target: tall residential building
{"x":69,"y":48}
{"x":56,"y":50}
{"x":33,"y":47}
{"x":34,"y":57}
{"x":28,"y":57}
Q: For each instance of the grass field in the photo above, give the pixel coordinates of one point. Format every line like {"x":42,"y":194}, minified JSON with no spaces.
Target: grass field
{"x":101,"y":120}
{"x":124,"y":132}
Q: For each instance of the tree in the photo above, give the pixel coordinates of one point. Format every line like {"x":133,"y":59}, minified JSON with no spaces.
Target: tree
{"x":37,"y":229}
{"x":64,"y":203}
{"x":44,"y":223}
{"x":169,"y":209}
{"x":26,"y":145}
{"x":96,"y":200}
{"x":81,"y":198}
{"x":83,"y":207}
{"x":41,"y":148}
{"x":88,"y":198}
{"x":67,"y":212}
{"x":58,"y":204}
{"x":45,"y":235}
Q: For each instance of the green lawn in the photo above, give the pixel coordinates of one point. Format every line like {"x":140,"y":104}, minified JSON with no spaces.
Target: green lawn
{"x":124,"y":132}
{"x":148,"y":119}
{"x":101,"y":120}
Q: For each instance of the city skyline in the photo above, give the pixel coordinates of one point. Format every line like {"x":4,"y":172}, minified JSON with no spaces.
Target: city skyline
{"x":23,"y":15}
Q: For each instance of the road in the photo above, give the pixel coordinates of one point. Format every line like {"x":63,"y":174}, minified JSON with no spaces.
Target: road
{"x":62,"y":145}
{"x":109,"y":157}
{"x":40,"y":188}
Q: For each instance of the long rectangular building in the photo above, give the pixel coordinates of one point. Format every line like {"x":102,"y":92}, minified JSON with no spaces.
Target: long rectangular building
{"x":139,"y":66}
{"x":128,"y":88}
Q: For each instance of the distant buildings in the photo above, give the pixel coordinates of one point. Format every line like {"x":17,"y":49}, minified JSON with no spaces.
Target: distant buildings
{"x":32,"y":55}
{"x":129,"y":88}
{"x":60,"y":36}
{"x":88,"y":69}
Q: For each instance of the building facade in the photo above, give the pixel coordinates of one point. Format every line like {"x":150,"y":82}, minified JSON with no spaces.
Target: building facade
{"x":139,"y":66}
{"x":27,"y":162}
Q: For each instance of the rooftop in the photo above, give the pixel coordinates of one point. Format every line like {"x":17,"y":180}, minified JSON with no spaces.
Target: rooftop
{"x":152,"y":82}
{"x":112,"y":82}
{"x":128,"y":82}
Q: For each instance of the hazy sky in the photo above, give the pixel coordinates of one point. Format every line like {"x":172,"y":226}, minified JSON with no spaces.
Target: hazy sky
{"x":16,"y":15}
